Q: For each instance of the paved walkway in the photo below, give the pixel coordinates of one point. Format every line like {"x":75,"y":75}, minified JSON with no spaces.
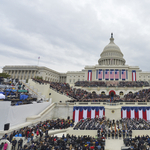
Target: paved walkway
{"x":114,"y":144}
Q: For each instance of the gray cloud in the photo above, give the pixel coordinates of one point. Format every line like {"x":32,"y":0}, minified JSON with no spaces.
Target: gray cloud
{"x":67,"y":35}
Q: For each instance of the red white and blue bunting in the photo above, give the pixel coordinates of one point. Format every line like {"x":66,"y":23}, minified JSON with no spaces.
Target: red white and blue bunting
{"x":135,"y":112}
{"x":84,"y":112}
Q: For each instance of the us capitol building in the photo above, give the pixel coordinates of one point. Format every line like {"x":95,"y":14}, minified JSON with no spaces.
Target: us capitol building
{"x":111,"y":67}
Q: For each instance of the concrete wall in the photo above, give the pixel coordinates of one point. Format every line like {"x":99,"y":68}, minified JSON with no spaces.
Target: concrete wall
{"x":53,"y":111}
{"x":82,"y":132}
{"x":113,"y":112}
{"x":94,"y":132}
{"x":63,"y":111}
{"x":140,"y":132}
{"x":17,"y":114}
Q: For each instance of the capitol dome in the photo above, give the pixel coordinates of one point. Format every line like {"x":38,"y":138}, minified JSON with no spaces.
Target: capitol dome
{"x":111,"y":54}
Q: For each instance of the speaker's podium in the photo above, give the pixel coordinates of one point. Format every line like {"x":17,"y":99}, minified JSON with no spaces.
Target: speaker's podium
{"x":6,"y":126}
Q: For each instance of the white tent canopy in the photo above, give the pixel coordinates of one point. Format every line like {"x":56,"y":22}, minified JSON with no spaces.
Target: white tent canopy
{"x":2,"y":96}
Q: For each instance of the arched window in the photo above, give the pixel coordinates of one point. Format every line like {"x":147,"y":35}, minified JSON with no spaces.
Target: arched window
{"x":121,"y":93}
{"x":103,"y":93}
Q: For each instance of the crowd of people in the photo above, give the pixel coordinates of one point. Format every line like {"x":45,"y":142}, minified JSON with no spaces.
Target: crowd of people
{"x":76,"y":94}
{"x":111,"y":128}
{"x":142,"y":95}
{"x":112,"y":84}
{"x":68,"y":142}
{"x":81,"y":95}
{"x":39,"y":130}
{"x":91,"y":83}
{"x":133,"y":84}
{"x":105,"y":129}
{"x":138,"y":142}
{"x":13,"y":90}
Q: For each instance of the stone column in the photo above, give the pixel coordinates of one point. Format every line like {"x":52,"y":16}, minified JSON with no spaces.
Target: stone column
{"x":20,"y":74}
{"x":17,"y":74}
{"x":23,"y":74}
{"x":121,"y":75}
{"x":34,"y":74}
{"x":13,"y":73}
{"x":10,"y":73}
{"x":27,"y":74}
{"x":31,"y":74}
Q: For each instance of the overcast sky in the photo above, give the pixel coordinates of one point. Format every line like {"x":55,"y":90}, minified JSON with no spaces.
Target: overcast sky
{"x":69,"y":34}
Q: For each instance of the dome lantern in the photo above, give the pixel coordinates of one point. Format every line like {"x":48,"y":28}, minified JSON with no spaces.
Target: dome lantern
{"x":111,"y":54}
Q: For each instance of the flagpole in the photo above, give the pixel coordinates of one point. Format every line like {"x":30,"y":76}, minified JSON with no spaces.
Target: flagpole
{"x":38,"y":61}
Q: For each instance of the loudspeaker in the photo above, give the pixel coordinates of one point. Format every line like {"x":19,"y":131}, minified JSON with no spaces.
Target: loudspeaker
{"x":6,"y":126}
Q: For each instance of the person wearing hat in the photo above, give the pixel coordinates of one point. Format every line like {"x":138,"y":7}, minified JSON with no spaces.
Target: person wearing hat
{"x":14,"y":142}
{"x":20,"y":143}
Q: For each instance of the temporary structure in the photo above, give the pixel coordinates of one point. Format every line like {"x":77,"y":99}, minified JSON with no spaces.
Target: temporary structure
{"x":2,"y":96}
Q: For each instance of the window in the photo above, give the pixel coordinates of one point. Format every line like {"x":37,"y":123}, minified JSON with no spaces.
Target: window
{"x":103,"y":93}
{"x":121,"y":93}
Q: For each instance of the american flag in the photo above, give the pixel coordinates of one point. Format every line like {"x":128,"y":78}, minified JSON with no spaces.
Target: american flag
{"x":123,"y":74}
{"x":116,"y":74}
{"x":106,"y":74}
{"x":111,"y":74}
{"x":100,"y":74}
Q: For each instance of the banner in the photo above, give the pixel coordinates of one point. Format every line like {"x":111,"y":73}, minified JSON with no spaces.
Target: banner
{"x":136,"y":112}
{"x":84,"y":112}
{"x":133,"y":75}
{"x":89,"y":75}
